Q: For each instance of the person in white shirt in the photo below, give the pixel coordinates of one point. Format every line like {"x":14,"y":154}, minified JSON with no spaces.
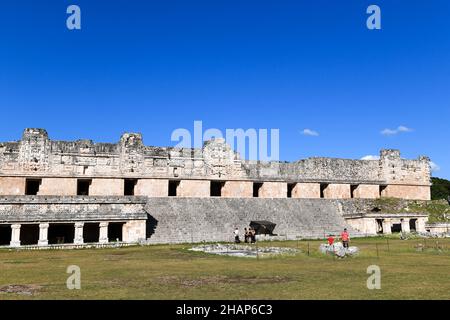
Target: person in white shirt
{"x":236,"y":236}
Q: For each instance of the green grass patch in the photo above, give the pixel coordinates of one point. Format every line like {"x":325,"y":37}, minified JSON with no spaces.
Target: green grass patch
{"x":174,"y":272}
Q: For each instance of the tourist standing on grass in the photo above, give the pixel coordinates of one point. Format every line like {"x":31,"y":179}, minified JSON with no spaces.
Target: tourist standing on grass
{"x":246,"y":235}
{"x":253,"y":235}
{"x":236,"y":236}
{"x":345,"y":239}
{"x":330,"y":240}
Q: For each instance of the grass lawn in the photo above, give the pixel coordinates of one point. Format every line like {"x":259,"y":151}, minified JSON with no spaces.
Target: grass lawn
{"x":173,"y":272}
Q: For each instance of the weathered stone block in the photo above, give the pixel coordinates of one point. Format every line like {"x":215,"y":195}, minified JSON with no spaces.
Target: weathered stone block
{"x":152,"y":188}
{"x":273,"y":190}
{"x":107,"y":187}
{"x":337,"y":191}
{"x":194,"y":188}
{"x":12,"y":186}
{"x":306,"y":191}
{"x":366,"y":191}
{"x":237,"y":189}
{"x":58,"y":187}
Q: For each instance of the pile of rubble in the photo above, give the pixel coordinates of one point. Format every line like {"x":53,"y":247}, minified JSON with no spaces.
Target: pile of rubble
{"x":243,"y":251}
{"x":338,"y":250}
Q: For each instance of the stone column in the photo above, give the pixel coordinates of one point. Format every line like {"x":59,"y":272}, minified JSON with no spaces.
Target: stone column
{"x":104,"y":232}
{"x":15,"y":235}
{"x":387,"y":226}
{"x":405,"y":226}
{"x":79,"y":233}
{"x":43,"y":234}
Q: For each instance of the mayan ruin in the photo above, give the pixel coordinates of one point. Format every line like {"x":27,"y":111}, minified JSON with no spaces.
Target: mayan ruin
{"x":79,"y":192}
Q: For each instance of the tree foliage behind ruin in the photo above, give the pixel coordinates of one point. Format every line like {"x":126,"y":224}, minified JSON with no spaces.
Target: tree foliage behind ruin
{"x":440,"y":189}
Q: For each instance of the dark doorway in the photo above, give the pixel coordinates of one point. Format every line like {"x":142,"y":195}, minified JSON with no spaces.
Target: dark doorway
{"x":91,"y":232}
{"x":396,"y":228}
{"x":379,"y":226}
{"x":173,"y":188}
{"x":29,"y":234}
{"x":5,"y":234}
{"x":256,"y":189}
{"x":413,"y":224}
{"x":290,"y":188}
{"x":129,"y":187}
{"x":352,"y":190}
{"x":83,"y":187}
{"x":323,"y":187}
{"x":115,"y":231}
{"x":32,"y":186}
{"x":216,"y":188}
{"x":61,"y":233}
{"x":382,"y":189}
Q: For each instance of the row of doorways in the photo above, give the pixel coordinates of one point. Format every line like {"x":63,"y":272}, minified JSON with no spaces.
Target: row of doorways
{"x":61,"y":233}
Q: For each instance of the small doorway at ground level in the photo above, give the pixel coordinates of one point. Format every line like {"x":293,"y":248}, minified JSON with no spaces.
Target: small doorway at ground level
{"x":396,"y":228}
{"x":413,"y":224}
{"x":29,"y":234}
{"x":91,"y":232}
{"x":115,"y":231}
{"x":60,"y":233}
{"x":5,"y":234}
{"x":380,"y":226}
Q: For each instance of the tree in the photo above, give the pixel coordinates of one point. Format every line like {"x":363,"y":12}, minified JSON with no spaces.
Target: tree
{"x":440,"y":189}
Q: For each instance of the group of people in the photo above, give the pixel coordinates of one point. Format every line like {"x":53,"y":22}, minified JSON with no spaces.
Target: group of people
{"x":249,"y":235}
{"x":345,"y":237}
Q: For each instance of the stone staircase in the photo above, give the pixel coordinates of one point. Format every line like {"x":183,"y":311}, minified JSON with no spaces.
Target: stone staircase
{"x":193,"y":220}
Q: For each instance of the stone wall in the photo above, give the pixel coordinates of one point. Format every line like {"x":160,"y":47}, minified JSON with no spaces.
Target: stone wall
{"x":306,"y":191}
{"x":12,"y":186}
{"x":152,"y":188}
{"x":194,"y":188}
{"x":407,"y":192}
{"x":366,"y":191}
{"x":58,"y":187}
{"x":337,"y":191}
{"x":16,"y":209}
{"x":273,"y":190}
{"x":237,"y":189}
{"x":107,"y":187}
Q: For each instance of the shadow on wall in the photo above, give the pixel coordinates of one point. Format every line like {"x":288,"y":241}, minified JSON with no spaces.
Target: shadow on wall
{"x":152,"y":223}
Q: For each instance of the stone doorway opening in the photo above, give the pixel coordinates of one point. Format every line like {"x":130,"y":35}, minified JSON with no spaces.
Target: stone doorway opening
{"x":413,"y":225}
{"x":29,"y":234}
{"x":396,"y":228}
{"x":379,"y":226}
{"x":5,"y":234}
{"x":216,"y":188}
{"x":115,"y":231}
{"x":290,"y":189}
{"x":83,"y":187}
{"x":32,"y":186}
{"x":173,"y":188}
{"x":129,"y":186}
{"x":323,"y":188}
{"x":91,"y":232}
{"x":256,"y":189}
{"x":60,"y":233}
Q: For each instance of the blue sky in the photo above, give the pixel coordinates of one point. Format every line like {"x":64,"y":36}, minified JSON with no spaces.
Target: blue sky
{"x":155,"y":66}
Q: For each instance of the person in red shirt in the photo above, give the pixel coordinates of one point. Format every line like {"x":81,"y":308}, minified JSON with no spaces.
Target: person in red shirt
{"x":330,"y":240}
{"x":345,"y":239}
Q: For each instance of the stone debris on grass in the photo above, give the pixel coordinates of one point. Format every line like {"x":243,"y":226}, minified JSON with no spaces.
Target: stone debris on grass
{"x":243,"y":251}
{"x":26,"y":290}
{"x":338,"y":250}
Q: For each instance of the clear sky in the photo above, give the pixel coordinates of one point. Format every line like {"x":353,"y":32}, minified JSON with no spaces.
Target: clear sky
{"x":155,"y":66}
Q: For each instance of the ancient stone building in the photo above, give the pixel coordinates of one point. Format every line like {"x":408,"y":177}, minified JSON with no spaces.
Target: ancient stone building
{"x":84,"y":192}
